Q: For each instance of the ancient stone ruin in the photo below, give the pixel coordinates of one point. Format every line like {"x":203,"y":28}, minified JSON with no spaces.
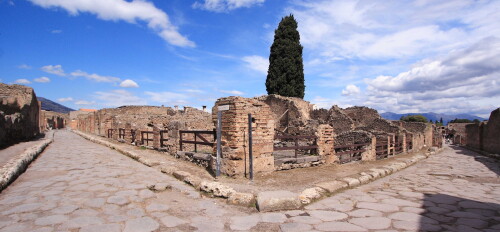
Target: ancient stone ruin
{"x":287,"y":133}
{"x":485,"y":135}
{"x":19,"y":114}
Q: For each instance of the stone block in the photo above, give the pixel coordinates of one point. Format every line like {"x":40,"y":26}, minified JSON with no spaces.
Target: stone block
{"x":243,"y":199}
{"x":277,"y":200}
{"x":217,"y":189}
{"x":311,"y":194}
{"x":352,"y":182}
{"x":333,"y":186}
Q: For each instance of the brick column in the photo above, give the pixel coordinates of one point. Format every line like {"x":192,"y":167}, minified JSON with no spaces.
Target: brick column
{"x":325,"y":143}
{"x":235,"y":135}
{"x":371,"y":152}
{"x":156,"y":137}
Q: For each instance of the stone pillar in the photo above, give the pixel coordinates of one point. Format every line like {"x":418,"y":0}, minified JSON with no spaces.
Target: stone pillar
{"x":325,"y":143}
{"x":404,"y":142}
{"x":235,"y":135}
{"x":128,"y":133}
{"x":156,"y":137}
{"x":371,"y":153}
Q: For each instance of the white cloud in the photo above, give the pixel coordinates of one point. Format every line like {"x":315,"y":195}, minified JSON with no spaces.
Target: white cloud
{"x":129,"y":11}
{"x":24,"y":66}
{"x":233,"y":92}
{"x":42,"y":79}
{"x":466,"y":80}
{"x":56,"y":31}
{"x":94,"y":77}
{"x":257,"y":63}
{"x":65,"y":99}
{"x":225,"y":5}
{"x":129,"y":84}
{"x":349,"y":29}
{"x":350,"y":90}
{"x":169,"y":98}
{"x":54,"y":69}
{"x":83,"y":102}
{"x":119,"y":97}
{"x":22,"y":81}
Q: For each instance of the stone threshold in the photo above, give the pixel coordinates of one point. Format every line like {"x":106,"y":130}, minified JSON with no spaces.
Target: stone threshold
{"x":19,"y":163}
{"x":267,"y":201}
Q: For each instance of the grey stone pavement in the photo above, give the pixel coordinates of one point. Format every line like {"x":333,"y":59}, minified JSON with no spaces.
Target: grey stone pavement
{"x":76,"y":185}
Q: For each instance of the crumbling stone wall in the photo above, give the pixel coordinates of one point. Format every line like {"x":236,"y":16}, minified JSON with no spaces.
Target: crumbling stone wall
{"x":235,"y":135}
{"x":19,"y":114}
{"x":335,"y":117}
{"x":485,"y":136}
{"x":362,"y":116}
{"x":290,"y":114}
{"x":459,"y":132}
{"x":474,"y":137}
{"x":135,"y":119}
{"x":53,"y":120}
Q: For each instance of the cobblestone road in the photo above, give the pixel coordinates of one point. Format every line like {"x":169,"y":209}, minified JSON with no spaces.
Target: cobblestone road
{"x":76,"y":185}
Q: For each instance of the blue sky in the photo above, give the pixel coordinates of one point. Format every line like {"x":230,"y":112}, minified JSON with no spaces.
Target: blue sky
{"x":399,"y":56}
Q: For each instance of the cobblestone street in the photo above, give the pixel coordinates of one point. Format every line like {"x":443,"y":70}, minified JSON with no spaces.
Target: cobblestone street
{"x":76,"y":185}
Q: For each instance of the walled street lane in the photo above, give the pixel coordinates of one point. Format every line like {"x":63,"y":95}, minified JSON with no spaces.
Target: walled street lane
{"x":76,"y":185}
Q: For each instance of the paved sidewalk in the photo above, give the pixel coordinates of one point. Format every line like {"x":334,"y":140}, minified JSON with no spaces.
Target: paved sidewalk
{"x":76,"y":185}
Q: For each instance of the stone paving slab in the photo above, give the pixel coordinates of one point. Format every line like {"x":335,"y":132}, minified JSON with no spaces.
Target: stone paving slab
{"x":219,"y":189}
{"x":69,"y":187}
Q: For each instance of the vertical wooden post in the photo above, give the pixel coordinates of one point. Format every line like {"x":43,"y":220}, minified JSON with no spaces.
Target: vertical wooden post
{"x":219,"y":149}
{"x":250,"y":145}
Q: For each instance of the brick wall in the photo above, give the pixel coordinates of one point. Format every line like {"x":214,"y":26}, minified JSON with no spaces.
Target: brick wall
{"x":235,"y":135}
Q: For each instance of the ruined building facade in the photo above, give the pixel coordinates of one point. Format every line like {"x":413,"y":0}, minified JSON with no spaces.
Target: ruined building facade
{"x":286,"y":133}
{"x":485,"y":135}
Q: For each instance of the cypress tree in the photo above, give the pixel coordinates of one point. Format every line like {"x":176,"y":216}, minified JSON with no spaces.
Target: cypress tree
{"x":285,"y":75}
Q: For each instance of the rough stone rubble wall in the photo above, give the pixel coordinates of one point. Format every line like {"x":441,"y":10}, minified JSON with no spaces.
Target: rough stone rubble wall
{"x":19,"y":114}
{"x":146,"y":118}
{"x":53,"y":120}
{"x":459,"y":132}
{"x":485,"y":136}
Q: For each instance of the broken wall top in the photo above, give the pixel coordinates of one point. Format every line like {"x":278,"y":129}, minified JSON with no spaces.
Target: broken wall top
{"x":288,"y":112}
{"x":16,"y":97}
{"x":362,"y":115}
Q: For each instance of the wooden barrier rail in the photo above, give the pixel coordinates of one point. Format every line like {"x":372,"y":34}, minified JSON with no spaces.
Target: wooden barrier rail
{"x":296,"y":147}
{"x":121,"y":133}
{"x":197,"y":135}
{"x":110,"y":133}
{"x":350,"y":153}
{"x":146,"y":138}
{"x":381,"y":151}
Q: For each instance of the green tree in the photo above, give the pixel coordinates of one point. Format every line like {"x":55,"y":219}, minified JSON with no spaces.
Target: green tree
{"x":461,"y":120}
{"x":413,"y":118}
{"x":285,"y":75}
{"x":476,"y":121}
{"x":441,"y":121}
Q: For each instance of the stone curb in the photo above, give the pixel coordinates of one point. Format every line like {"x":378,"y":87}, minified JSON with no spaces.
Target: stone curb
{"x":481,"y":152}
{"x":268,"y":201}
{"x":18,"y":164}
{"x":329,"y":188}
{"x":211,"y":187}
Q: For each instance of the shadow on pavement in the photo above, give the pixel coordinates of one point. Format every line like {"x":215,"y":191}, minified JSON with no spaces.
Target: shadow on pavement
{"x":490,"y":163}
{"x":449,"y":213}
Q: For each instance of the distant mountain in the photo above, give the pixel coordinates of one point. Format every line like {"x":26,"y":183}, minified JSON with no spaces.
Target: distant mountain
{"x":432,"y":116}
{"x":52,"y":106}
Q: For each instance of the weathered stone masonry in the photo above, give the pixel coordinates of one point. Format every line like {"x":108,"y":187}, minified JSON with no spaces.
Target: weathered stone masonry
{"x":485,"y":136}
{"x":352,"y":131}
